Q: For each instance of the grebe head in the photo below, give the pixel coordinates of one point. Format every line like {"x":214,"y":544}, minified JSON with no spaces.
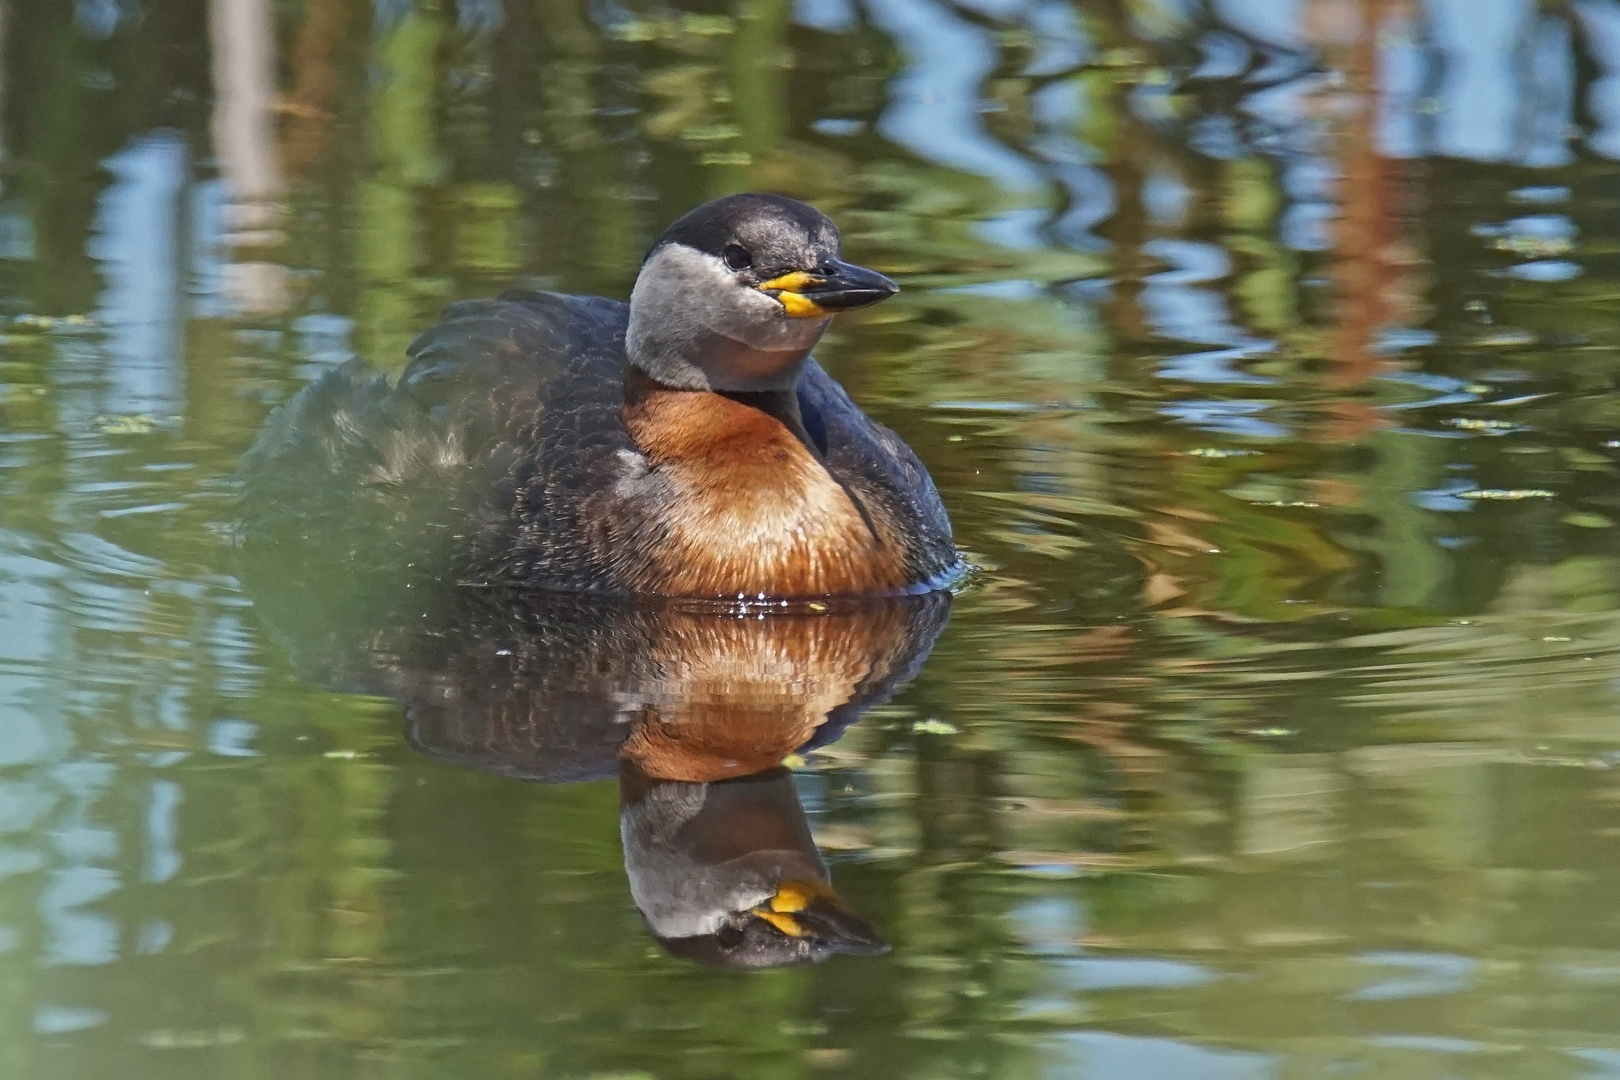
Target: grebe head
{"x":735,"y":294}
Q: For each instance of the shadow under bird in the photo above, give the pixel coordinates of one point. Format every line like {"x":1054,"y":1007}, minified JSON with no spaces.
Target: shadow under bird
{"x":684,"y":444}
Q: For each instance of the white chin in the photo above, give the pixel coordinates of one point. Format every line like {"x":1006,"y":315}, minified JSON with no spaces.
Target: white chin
{"x":772,"y":329}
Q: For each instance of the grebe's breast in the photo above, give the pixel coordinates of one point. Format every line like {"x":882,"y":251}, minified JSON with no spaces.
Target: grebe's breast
{"x":747,"y":505}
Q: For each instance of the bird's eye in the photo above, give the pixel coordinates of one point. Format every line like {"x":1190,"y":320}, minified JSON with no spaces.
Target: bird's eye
{"x":737,"y":257}
{"x":729,"y":936}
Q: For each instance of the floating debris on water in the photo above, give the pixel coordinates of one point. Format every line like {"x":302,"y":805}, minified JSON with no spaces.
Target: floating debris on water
{"x":191,"y":1039}
{"x":688,"y":26}
{"x":1583,"y":519}
{"x":139,"y":424}
{"x":1492,"y":427}
{"x":47,"y":323}
{"x":1504,"y":494}
{"x":1220,"y":452}
{"x":934,"y":727}
{"x":1534,"y":247}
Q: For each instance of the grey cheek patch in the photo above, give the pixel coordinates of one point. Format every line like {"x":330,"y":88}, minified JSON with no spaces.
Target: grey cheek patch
{"x":693,"y":325}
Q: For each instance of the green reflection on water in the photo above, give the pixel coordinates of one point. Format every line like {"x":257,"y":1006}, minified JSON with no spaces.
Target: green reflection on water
{"x":1276,"y":739}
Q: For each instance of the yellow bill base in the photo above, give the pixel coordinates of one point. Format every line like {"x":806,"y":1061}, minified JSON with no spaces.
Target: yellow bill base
{"x":797,"y":305}
{"x":792,"y":897}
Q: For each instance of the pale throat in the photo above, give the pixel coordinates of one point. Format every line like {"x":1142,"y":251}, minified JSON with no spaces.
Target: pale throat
{"x":693,"y":326}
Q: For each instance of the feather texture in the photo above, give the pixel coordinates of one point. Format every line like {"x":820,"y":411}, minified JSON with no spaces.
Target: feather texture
{"x":507,"y":453}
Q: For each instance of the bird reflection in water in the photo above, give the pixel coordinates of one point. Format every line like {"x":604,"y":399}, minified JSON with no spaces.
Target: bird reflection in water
{"x":694,"y":710}
{"x":725,"y":872}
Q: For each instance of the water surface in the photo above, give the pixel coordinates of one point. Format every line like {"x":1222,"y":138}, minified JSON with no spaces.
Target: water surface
{"x":1265,"y":355}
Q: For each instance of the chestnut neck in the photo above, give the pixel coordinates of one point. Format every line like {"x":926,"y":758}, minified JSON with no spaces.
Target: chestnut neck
{"x":642,"y":392}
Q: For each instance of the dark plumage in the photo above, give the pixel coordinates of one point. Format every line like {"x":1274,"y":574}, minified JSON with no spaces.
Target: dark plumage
{"x":522,"y":446}
{"x":792,"y":231}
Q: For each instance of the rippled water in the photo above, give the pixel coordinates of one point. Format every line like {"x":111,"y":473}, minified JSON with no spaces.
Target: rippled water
{"x":1265,"y":354}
